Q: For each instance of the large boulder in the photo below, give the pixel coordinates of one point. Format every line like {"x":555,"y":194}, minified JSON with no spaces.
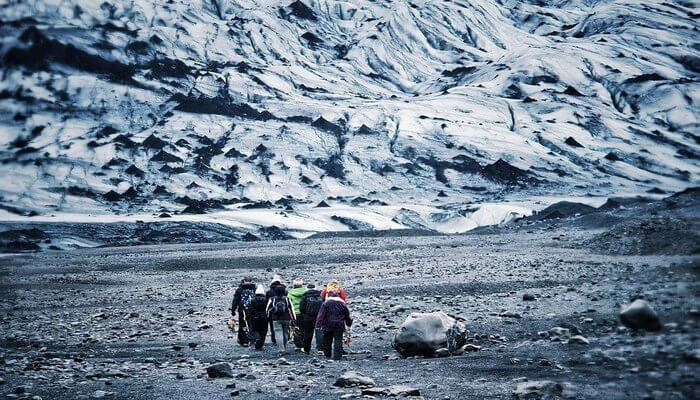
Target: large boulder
{"x":424,"y":333}
{"x":640,"y":315}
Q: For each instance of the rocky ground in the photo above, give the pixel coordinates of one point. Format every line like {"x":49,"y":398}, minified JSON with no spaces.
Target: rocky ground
{"x":146,"y":321}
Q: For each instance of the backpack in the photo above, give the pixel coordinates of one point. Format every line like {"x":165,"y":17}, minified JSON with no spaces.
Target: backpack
{"x":279,"y":306}
{"x":313,"y":305}
{"x":257,"y":308}
{"x":247,"y":296}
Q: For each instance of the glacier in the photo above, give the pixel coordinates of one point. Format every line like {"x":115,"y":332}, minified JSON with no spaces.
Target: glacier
{"x":342,"y":115}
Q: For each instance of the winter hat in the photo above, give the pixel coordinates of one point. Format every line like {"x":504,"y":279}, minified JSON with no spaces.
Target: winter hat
{"x":277,"y":278}
{"x":333,"y":286}
{"x":297,"y":282}
{"x":310,"y":285}
{"x":260,"y":289}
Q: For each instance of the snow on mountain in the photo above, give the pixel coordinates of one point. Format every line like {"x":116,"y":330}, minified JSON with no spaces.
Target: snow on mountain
{"x":421,"y":114}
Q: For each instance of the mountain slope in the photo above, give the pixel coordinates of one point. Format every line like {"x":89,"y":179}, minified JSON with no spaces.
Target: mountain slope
{"x":407,"y":109}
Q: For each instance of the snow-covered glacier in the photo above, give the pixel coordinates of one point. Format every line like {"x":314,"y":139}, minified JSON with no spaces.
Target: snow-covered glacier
{"x":315,"y":115}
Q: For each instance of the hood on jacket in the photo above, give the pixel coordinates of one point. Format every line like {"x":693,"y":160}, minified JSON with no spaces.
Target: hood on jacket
{"x":260,"y":289}
{"x":312,"y":292}
{"x":297,"y":292}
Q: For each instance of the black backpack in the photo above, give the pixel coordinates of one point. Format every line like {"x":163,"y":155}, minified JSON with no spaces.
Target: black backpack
{"x":257,"y":308}
{"x":279,"y":306}
{"x":247,"y":296}
{"x":313,"y":305}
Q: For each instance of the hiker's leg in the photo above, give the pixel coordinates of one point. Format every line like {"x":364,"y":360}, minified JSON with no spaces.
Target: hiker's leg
{"x":337,"y":345}
{"x":298,"y":336}
{"x":308,"y":334}
{"x":272,"y":333}
{"x":285,"y":333}
{"x":242,"y":335}
{"x":319,"y":340}
{"x":261,"y":329}
{"x":327,"y":343}
{"x":279,"y":333}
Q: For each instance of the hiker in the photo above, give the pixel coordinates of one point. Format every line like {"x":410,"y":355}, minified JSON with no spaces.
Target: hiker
{"x":281,"y":314}
{"x":240,"y":305}
{"x":295,"y":295}
{"x":334,"y":285}
{"x":257,"y":318}
{"x":309,"y":306}
{"x":332,"y":318}
{"x":276,"y":281}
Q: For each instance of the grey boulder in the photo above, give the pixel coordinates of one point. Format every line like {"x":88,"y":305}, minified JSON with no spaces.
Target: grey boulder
{"x":424,"y":333}
{"x":640,"y":315}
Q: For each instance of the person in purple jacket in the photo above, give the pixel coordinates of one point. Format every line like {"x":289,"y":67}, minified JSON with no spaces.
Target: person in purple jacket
{"x":332,"y":318}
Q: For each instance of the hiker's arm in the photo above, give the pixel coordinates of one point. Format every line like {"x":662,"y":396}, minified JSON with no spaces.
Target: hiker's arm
{"x":268,"y":307}
{"x":236,"y":302}
{"x":292,"y":313}
{"x":302,"y":305}
{"x":348,"y":320}
{"x":321,"y":316}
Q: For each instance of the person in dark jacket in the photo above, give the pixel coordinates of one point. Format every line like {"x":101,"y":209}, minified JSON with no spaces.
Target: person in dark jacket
{"x":309,"y":307}
{"x":257,"y":318}
{"x":241,"y":301}
{"x":276,"y":281}
{"x":332,"y":318}
{"x":280,"y":312}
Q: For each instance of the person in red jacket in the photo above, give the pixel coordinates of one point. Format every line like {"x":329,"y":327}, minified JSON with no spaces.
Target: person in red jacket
{"x":334,"y":286}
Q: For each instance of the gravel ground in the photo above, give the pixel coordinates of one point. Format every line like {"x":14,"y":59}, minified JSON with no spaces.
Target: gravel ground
{"x":144,"y":322}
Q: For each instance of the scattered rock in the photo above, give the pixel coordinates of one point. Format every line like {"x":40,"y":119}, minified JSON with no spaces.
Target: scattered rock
{"x":538,"y":390}
{"x":578,"y":339}
{"x":640,"y":315}
{"x":528,"y":297}
{"x":220,"y":370}
{"x":392,"y":391}
{"x":353,"y":379}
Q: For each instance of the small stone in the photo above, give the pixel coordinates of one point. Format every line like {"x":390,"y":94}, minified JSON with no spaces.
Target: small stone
{"x":528,"y":297}
{"x":392,"y":391}
{"x":220,"y":370}
{"x":471,"y":347}
{"x":442,"y":352}
{"x":538,"y":389}
{"x":353,"y":379}
{"x":578,"y":339}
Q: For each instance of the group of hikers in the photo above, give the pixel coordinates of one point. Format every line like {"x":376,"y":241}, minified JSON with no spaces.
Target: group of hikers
{"x":301,"y":312}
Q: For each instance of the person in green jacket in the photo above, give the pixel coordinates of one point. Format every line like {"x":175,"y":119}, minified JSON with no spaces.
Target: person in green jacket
{"x":295,"y":293}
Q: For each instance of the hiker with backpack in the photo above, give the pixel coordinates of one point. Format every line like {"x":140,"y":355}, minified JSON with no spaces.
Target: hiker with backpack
{"x":295,"y":294}
{"x":280,"y":312}
{"x":333,"y":316}
{"x":309,"y":307}
{"x":241,"y":302}
{"x":334,"y":286}
{"x":277,"y":281}
{"x":257,"y":318}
